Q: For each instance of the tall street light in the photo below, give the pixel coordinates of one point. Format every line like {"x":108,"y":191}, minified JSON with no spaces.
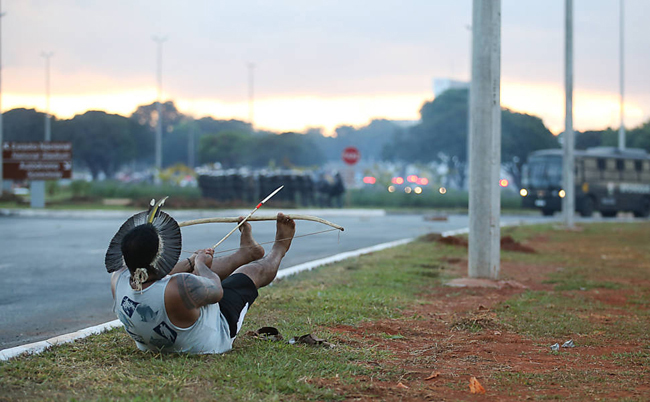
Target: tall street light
{"x":251,"y":94}
{"x":48,"y":130}
{"x":2,"y":185}
{"x":568,"y":179}
{"x":621,"y":130}
{"x":37,"y":187}
{"x":469,"y":96}
{"x":159,"y":41}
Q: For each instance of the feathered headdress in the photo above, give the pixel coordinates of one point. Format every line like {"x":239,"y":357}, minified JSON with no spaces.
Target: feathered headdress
{"x":169,"y":240}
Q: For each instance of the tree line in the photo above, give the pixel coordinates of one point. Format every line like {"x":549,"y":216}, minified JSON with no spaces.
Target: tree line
{"x":105,"y":143}
{"x":442,"y":132}
{"x":442,"y":135}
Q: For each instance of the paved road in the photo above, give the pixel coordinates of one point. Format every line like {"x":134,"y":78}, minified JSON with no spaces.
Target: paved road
{"x":53,"y":280}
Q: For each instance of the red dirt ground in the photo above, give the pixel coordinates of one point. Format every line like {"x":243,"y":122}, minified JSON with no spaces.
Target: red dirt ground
{"x":438,"y":341}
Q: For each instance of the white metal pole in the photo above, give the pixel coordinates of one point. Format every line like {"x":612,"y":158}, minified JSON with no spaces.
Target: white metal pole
{"x":251,"y":94}
{"x":485,"y":144}
{"x":568,"y":182}
{"x":48,"y":131}
{"x":159,"y":124}
{"x":469,"y":111}
{"x":37,"y":187}
{"x":621,"y":130}
{"x":2,"y":183}
{"x":191,"y":145}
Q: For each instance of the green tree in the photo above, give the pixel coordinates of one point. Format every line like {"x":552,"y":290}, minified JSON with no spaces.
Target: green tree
{"x":176,"y":144}
{"x":442,"y":135}
{"x":639,"y":137}
{"x":370,"y":140}
{"x":230,"y":148}
{"x":102,"y":142}
{"x":26,"y":125}
{"x":329,"y":146}
{"x":286,"y":150}
{"x":147,"y":117}
{"x":588,"y":139}
{"x":522,"y":134}
{"x":213,"y":126}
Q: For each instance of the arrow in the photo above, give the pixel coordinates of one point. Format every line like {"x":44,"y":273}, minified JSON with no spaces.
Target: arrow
{"x":249,"y":215}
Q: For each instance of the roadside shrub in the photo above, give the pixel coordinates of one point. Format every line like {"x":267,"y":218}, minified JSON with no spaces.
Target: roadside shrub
{"x":116,"y":189}
{"x":80,"y":188}
{"x":430,"y":198}
{"x":52,"y":187}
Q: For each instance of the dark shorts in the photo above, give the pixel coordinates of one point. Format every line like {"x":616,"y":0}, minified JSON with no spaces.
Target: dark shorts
{"x":239,"y":293}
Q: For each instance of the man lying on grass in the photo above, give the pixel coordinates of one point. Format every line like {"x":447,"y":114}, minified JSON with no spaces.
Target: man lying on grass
{"x":199,"y":306}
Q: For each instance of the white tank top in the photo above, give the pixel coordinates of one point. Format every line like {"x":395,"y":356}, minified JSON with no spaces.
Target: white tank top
{"x":145,"y":320}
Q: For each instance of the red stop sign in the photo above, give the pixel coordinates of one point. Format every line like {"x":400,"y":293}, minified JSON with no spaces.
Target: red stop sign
{"x":351,"y":155}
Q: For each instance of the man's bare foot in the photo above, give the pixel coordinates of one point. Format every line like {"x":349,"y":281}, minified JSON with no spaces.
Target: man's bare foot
{"x":286,"y":229}
{"x":247,"y":244}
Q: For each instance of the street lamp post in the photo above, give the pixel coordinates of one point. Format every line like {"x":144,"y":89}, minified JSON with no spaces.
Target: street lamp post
{"x":2,"y":182}
{"x":48,"y":128}
{"x":568,"y":180}
{"x":191,"y":147}
{"x":159,"y":41}
{"x":37,"y":187}
{"x":621,"y":129}
{"x":251,"y":94}
{"x":469,"y":109}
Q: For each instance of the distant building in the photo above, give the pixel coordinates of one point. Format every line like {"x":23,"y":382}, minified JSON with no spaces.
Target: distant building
{"x":440,"y":85}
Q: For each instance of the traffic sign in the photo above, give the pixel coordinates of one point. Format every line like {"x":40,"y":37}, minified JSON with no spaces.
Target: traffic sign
{"x":351,"y":155}
{"x":37,"y":160}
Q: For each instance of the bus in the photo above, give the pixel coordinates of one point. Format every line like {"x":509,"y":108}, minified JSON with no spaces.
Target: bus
{"x":607,"y":180}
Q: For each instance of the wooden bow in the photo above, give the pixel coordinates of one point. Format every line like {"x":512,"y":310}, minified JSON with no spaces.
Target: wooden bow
{"x":261,"y":218}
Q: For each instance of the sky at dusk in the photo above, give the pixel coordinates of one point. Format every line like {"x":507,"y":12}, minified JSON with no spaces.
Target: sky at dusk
{"x":317,"y":63}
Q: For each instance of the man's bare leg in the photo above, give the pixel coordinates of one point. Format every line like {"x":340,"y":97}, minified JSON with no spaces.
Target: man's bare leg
{"x":263,"y":271}
{"x":249,"y":251}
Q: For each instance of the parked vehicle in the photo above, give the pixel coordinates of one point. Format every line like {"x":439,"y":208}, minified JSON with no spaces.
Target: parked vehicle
{"x":607,"y":179}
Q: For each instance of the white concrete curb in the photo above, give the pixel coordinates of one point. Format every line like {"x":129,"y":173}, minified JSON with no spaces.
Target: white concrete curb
{"x":38,"y":347}
{"x":338,"y":257}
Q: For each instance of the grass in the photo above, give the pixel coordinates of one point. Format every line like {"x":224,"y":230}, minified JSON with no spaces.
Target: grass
{"x":577,"y":300}
{"x":108,"y":366}
{"x":578,"y":282}
{"x":548,"y":315}
{"x":601,"y":258}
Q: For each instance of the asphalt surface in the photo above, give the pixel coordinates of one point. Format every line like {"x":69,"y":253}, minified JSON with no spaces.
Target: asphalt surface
{"x":53,"y":280}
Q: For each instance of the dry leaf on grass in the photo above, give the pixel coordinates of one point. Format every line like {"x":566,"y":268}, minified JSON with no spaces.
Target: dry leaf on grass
{"x":400,"y":385}
{"x":433,"y":375}
{"x":475,"y":387}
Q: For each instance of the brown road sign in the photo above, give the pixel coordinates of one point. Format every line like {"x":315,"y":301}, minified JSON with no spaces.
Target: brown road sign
{"x":37,"y":160}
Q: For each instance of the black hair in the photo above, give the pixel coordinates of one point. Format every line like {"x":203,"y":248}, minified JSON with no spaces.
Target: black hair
{"x":140,"y":246}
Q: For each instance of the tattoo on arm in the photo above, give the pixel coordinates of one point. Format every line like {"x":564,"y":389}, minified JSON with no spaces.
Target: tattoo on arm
{"x":196,"y":292}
